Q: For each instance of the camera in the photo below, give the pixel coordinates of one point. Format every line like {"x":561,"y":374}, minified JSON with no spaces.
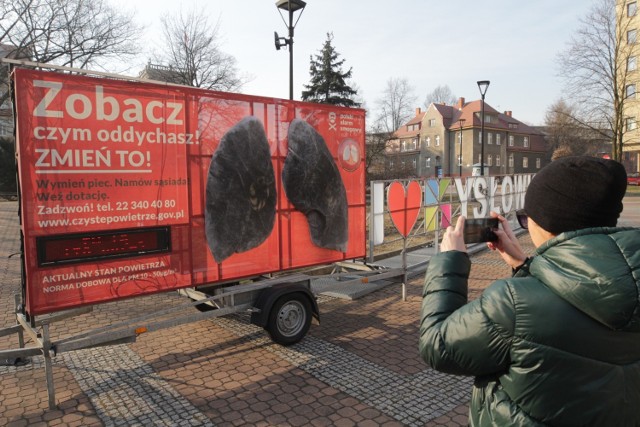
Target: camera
{"x":477,"y":230}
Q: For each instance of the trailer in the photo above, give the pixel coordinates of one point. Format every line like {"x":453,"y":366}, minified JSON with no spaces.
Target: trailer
{"x":128,"y":188}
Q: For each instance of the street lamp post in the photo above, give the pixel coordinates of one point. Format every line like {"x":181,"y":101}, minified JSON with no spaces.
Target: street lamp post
{"x":461,"y":121}
{"x":483,"y":85}
{"x":291,"y":6}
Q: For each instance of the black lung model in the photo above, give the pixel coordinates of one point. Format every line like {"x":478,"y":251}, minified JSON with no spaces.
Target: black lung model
{"x":313,"y":184}
{"x":241,"y":191}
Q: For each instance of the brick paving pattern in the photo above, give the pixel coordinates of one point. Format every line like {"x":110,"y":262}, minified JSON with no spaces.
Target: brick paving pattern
{"x":359,"y":367}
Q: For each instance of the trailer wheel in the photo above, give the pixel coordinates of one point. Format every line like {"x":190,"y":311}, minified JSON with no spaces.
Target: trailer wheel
{"x":289,"y":319}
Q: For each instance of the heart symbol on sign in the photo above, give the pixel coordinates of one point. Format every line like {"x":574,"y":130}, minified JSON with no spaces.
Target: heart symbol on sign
{"x":404,"y":206}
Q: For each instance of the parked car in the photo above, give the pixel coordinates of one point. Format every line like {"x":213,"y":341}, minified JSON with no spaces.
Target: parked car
{"x":633,"y":178}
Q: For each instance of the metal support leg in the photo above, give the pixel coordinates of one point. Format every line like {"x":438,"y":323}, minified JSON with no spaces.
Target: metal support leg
{"x":48,"y":366}
{"x":404,"y":269}
{"x":17,"y":310}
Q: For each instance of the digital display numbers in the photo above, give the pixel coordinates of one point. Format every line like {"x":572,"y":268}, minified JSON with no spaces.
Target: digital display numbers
{"x":70,"y":248}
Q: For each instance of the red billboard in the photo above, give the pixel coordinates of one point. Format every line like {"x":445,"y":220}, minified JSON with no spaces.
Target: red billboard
{"x":131,"y":188}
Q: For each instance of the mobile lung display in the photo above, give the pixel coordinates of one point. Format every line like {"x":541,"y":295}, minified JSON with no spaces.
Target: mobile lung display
{"x":313,"y":184}
{"x":130,"y":188}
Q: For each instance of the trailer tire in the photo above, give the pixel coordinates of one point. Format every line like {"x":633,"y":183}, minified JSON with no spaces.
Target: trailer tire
{"x":289,"y":318}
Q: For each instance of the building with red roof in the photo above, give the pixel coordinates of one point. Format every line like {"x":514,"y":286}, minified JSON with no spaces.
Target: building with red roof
{"x":445,"y":140}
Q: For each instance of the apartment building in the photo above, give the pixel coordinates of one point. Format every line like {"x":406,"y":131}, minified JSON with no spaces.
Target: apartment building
{"x":629,"y":24}
{"x":446,"y":140}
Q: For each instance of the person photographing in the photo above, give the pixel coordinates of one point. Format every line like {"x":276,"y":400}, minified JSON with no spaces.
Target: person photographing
{"x":558,"y":343}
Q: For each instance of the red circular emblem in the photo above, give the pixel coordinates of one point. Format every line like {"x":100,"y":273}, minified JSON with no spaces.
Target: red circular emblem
{"x":349,"y":156}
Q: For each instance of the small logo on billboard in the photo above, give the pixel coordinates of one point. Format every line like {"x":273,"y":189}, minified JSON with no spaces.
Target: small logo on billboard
{"x":349,"y":155}
{"x":332,"y":121}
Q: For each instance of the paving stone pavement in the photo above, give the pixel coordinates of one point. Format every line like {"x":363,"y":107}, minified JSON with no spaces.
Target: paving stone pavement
{"x":359,"y":367}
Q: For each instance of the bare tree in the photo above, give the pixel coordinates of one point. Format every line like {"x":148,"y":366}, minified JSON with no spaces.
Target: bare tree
{"x":375,"y":153}
{"x":193,"y":49}
{"x":594,"y":67}
{"x":568,"y":136}
{"x":74,"y":33}
{"x":440,"y":95}
{"x":396,"y":105}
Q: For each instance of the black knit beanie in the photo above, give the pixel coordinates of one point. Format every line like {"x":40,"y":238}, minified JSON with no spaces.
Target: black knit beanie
{"x":572,"y":193}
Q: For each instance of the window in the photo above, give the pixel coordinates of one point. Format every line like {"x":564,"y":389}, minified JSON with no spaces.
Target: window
{"x":510,"y":160}
{"x":631,"y":36}
{"x":437,"y":140}
{"x":632,"y":63}
{"x":631,"y":123}
{"x":511,"y":140}
{"x":479,"y":137}
{"x":427,"y":162}
{"x":525,"y":142}
{"x":490,"y":160}
{"x":414,"y":144}
{"x":460,"y":160}
{"x":513,"y":126}
{"x":631,"y":91}
{"x":538,"y":163}
{"x":525,"y":162}
{"x":428,"y":141}
{"x":487,"y":119}
{"x":404,"y":164}
{"x":390,"y":164}
{"x":498,"y":142}
{"x":489,"y":138}
{"x":479,"y":158}
{"x":404,"y":146}
{"x":432,"y":122}
{"x":497,"y":159}
{"x":632,"y":9}
{"x":414,"y":163}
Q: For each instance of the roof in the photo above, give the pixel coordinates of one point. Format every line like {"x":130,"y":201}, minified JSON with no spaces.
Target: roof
{"x":470,"y":113}
{"x":402,"y":132}
{"x":161,"y":73}
{"x":451,"y":116}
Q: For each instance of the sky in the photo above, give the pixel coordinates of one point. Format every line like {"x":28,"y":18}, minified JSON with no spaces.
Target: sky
{"x":512,"y":43}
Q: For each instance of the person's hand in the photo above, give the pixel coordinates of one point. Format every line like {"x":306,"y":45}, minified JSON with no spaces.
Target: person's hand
{"x":453,"y":239}
{"x":507,"y":245}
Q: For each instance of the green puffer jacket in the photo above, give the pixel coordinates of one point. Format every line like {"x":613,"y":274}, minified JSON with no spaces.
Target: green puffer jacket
{"x":558,"y":344}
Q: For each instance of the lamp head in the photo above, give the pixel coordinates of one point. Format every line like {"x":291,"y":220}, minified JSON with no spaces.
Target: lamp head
{"x":483,"y":85}
{"x":290,"y":5}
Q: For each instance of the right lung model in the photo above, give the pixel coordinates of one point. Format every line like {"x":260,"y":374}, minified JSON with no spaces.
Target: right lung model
{"x":313,"y":184}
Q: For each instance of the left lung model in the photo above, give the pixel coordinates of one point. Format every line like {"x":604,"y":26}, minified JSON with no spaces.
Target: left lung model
{"x":241,"y":191}
{"x":313,"y":185}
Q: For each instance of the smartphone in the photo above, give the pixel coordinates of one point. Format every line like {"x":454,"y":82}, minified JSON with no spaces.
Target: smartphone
{"x":477,"y":230}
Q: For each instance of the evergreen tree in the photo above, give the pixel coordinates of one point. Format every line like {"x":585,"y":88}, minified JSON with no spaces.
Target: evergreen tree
{"x":327,"y":85}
